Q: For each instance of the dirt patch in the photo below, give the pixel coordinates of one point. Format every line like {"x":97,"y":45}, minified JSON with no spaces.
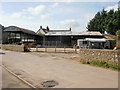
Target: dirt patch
{"x":58,"y":56}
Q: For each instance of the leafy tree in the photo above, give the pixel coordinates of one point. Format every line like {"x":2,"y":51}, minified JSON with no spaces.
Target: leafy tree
{"x":118,"y":34}
{"x":108,"y":21}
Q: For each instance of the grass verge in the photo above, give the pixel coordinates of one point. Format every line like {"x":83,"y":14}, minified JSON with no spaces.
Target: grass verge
{"x":102,"y":64}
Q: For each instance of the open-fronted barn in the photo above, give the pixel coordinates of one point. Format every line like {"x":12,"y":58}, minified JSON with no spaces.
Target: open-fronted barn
{"x":13,"y":34}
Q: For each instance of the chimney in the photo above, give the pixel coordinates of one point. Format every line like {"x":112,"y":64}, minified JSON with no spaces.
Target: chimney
{"x":70,"y":29}
{"x":47,"y":28}
{"x":40,"y":27}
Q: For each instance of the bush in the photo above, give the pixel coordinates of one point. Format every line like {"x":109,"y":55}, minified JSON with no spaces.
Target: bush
{"x":99,"y":63}
{"x":118,"y":34}
{"x":115,"y":67}
{"x":85,"y":62}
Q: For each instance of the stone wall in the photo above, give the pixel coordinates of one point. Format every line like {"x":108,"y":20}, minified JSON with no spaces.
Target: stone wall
{"x":118,"y":44}
{"x":110,"y":56}
{"x":19,"y":48}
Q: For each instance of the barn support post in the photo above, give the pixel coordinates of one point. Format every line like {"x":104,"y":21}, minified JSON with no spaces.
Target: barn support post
{"x":21,"y":36}
{"x":27,"y":37}
{"x":9,"y":37}
{"x":24,"y":36}
{"x":15,"y":39}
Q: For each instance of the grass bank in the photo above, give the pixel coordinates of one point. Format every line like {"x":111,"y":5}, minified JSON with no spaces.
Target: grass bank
{"x":102,"y":64}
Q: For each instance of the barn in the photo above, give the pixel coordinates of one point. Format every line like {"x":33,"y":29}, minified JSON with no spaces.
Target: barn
{"x":16,"y":35}
{"x":61,"y":38}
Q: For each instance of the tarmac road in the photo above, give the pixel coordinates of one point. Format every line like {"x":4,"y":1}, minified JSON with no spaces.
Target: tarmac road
{"x":67,"y":73}
{"x":10,"y":81}
{"x":7,"y":80}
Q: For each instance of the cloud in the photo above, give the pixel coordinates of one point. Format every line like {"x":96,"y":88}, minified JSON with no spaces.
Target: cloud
{"x":47,"y":15}
{"x":115,"y":7}
{"x":29,"y":18}
{"x":55,"y":5}
{"x":17,"y":19}
{"x":38,"y":10}
{"x":70,"y":23}
{"x":17,"y":15}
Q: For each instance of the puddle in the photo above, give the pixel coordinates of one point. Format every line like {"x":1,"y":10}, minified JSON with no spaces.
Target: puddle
{"x":50,"y":83}
{"x":2,"y":53}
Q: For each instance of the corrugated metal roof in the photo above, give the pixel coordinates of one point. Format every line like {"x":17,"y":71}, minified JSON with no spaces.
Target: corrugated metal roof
{"x":72,"y":33}
{"x":110,"y":37}
{"x":96,"y":39}
{"x":59,"y":30}
{"x":14,"y":28}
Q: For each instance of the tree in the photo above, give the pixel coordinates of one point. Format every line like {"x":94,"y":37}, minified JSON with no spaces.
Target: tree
{"x":118,"y":34}
{"x":105,"y":21}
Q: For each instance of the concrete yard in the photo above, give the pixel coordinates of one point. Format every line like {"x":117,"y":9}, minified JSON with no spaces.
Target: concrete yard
{"x":38,"y":67}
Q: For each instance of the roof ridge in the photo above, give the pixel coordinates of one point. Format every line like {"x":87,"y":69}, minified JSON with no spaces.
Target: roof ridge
{"x":22,"y":28}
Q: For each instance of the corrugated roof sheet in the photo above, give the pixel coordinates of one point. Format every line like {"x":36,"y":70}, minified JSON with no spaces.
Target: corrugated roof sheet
{"x":96,"y":39}
{"x":14,"y":28}
{"x":59,"y":30}
{"x":110,"y":37}
{"x":72,"y":33}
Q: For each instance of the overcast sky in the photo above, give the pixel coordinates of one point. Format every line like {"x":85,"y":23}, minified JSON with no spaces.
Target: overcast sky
{"x":55,"y":15}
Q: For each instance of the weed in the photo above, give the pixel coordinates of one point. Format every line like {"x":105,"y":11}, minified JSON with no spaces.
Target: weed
{"x":101,"y":64}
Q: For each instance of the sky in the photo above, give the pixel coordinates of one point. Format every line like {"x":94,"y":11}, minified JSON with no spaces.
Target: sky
{"x":55,"y":15}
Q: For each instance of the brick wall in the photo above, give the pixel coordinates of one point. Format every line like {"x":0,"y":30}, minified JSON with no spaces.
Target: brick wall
{"x":110,"y":56}
{"x":19,"y":48}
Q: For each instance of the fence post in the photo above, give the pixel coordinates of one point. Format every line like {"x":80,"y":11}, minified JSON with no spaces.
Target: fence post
{"x":36,"y":49}
{"x":55,"y":49}
{"x":75,"y":48}
{"x":45,"y":48}
{"x":64,"y":49}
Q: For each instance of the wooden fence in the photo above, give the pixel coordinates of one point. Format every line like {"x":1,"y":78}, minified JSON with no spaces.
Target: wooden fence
{"x":55,"y":49}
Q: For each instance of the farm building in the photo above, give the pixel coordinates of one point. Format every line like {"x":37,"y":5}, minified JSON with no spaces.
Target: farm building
{"x":62,"y":38}
{"x":59,"y":38}
{"x":96,"y":43}
{"x":13,"y":34}
{"x":110,"y":40}
{"x":1,"y":31}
